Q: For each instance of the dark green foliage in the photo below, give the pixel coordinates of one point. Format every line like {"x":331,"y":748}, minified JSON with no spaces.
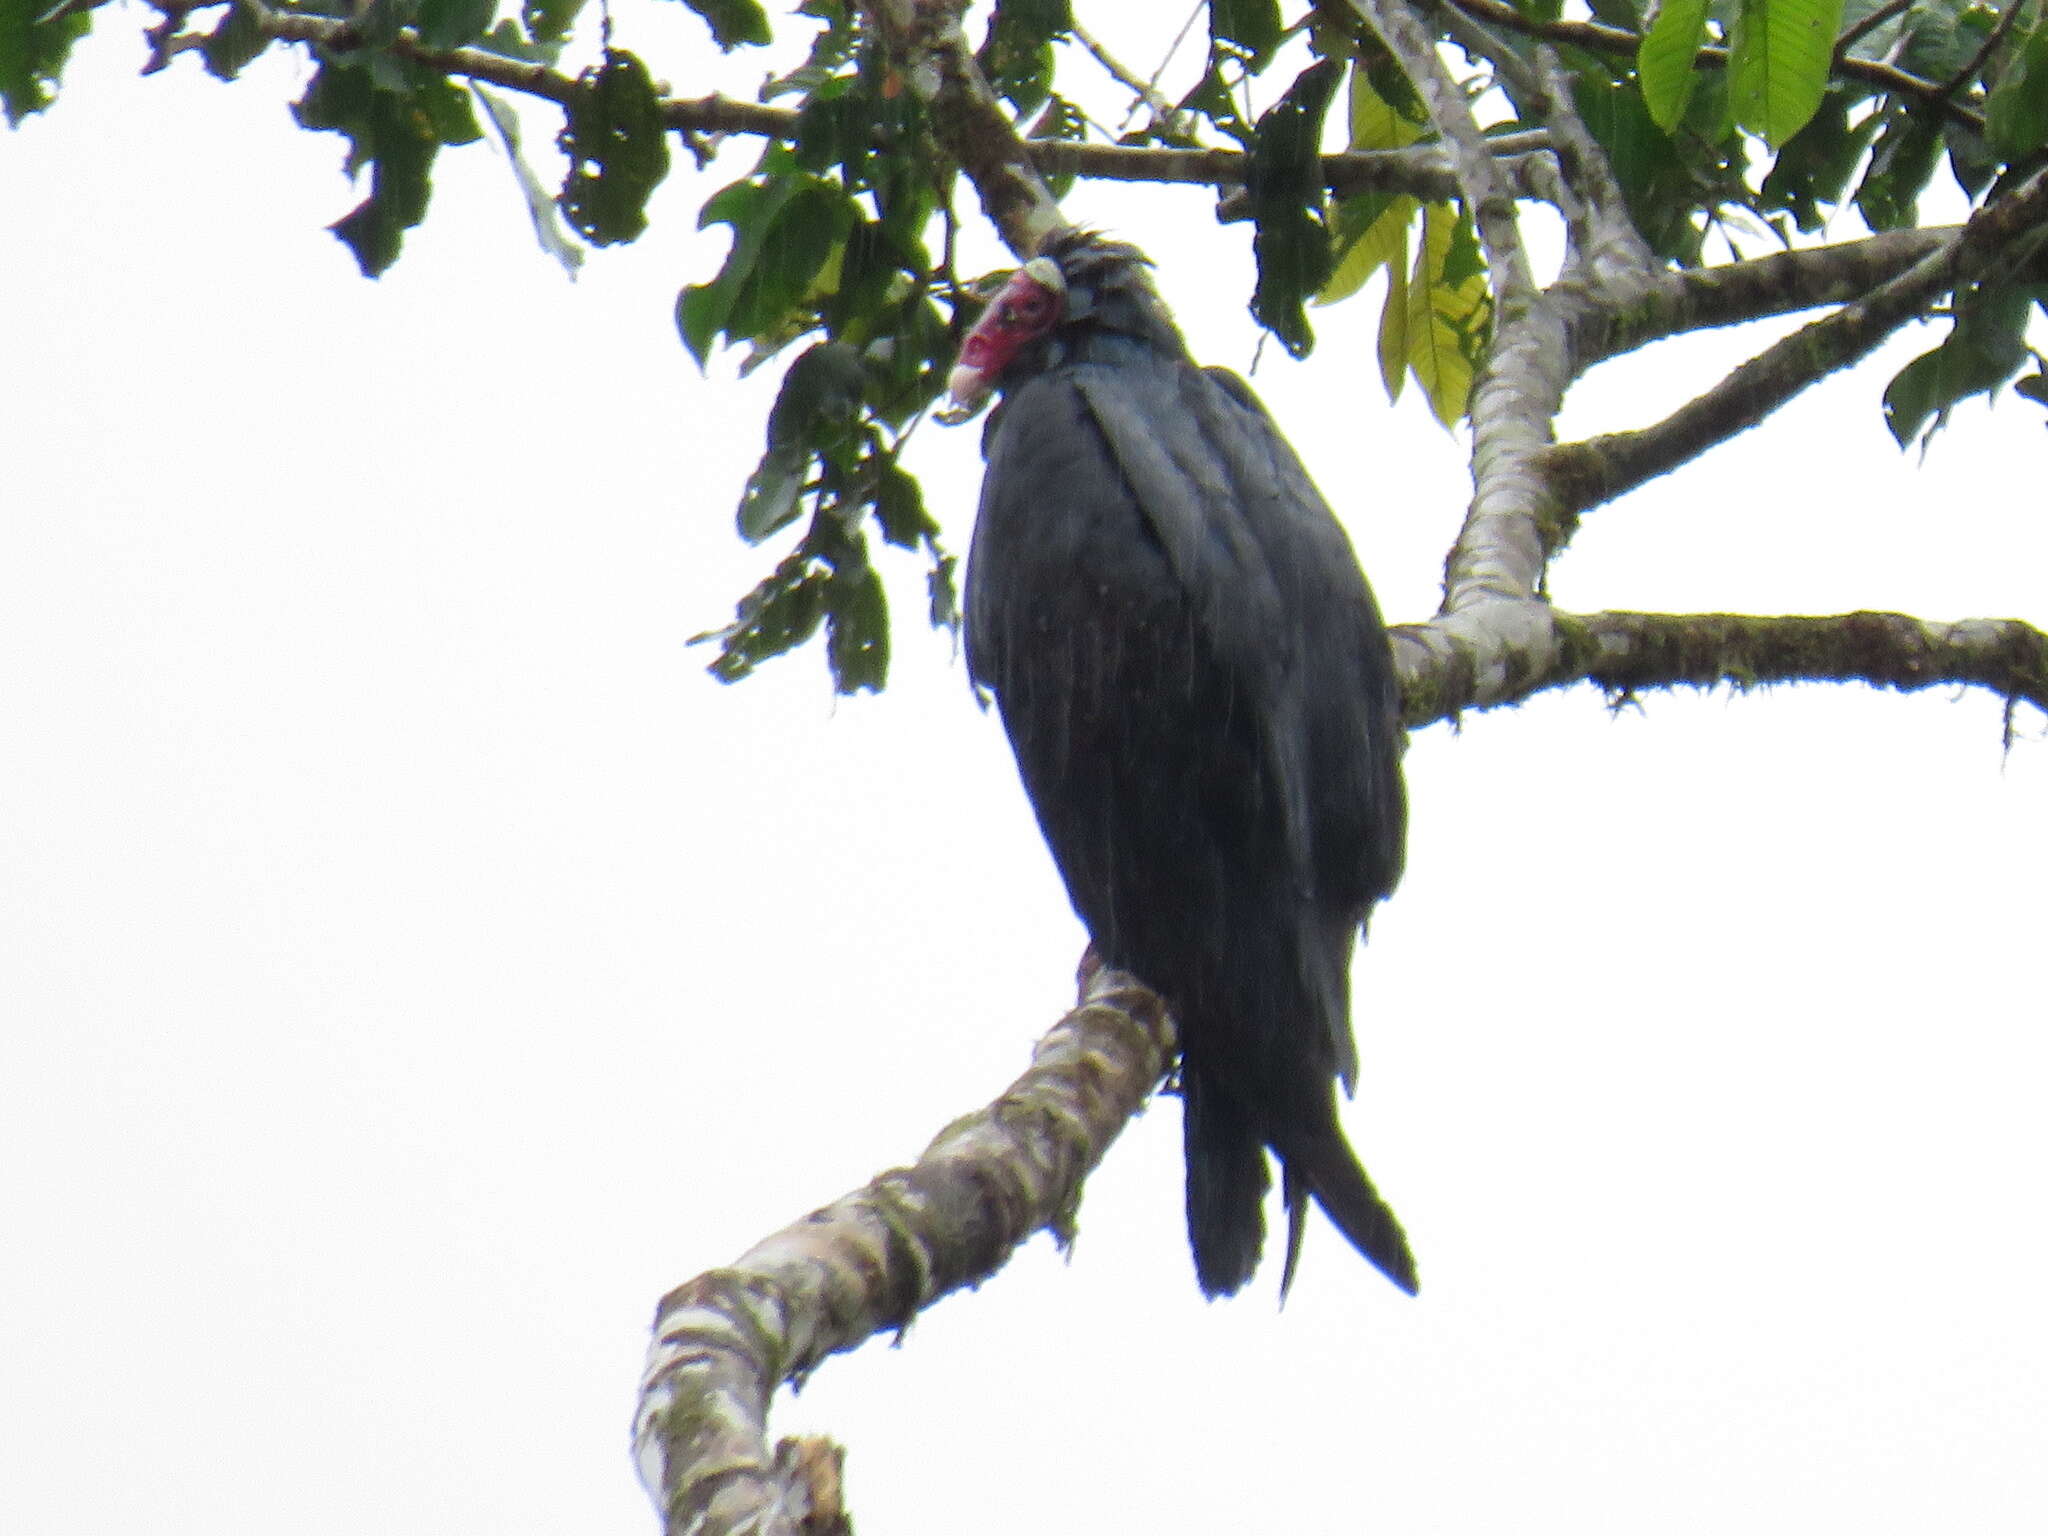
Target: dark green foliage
{"x":1625,"y":14}
{"x":2016,"y":116}
{"x":1285,"y":184}
{"x":617,"y":148}
{"x":32,"y":54}
{"x":830,"y":260}
{"x":454,"y":23}
{"x":827,"y":243}
{"x":786,"y":225}
{"x":396,"y":132}
{"x":1813,"y":170}
{"x":1666,"y":179}
{"x":550,"y":21}
{"x":826,"y":580}
{"x":1249,"y":29}
{"x":1901,"y":164}
{"x":816,"y":415}
{"x":1017,"y":54}
{"x":1985,"y":347}
{"x":734,"y":22}
{"x":233,"y":44}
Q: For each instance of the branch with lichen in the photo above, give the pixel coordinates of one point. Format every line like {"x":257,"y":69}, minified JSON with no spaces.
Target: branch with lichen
{"x":871,"y":1262}
{"x":1782,"y":283}
{"x":1505,"y":653}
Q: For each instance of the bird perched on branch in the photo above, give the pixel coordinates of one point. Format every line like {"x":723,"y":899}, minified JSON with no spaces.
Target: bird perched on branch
{"x":1200,"y":695}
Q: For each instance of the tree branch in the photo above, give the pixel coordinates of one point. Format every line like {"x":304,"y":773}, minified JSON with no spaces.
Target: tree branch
{"x":1601,"y":468}
{"x":1504,"y":653}
{"x":1481,"y":181}
{"x":928,"y":45}
{"x":1782,"y":283}
{"x":869,"y":1263}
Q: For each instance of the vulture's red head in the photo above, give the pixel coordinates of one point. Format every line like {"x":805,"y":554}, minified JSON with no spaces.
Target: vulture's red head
{"x":1030,"y":304}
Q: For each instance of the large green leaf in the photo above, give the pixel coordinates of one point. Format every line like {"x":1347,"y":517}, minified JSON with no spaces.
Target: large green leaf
{"x":1813,"y":171}
{"x":617,"y":148}
{"x":1901,"y":163}
{"x":453,"y":23}
{"x":233,"y":44}
{"x":550,"y":21}
{"x":2016,"y":116}
{"x":34,"y":46}
{"x":1778,"y":63}
{"x":396,"y":133}
{"x":734,"y":22}
{"x":1017,"y":55}
{"x":1448,"y":311}
{"x":1985,"y":347}
{"x":787,"y":225}
{"x":1249,"y":28}
{"x":1665,"y":60}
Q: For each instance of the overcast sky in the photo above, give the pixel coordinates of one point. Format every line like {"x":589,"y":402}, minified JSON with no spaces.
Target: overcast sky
{"x":412,"y":964}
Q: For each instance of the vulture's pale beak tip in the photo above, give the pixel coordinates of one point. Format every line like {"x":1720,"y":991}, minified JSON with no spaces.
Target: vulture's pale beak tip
{"x":967,"y":389}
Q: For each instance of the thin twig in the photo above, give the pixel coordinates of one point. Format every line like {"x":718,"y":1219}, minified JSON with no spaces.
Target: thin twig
{"x":1969,"y":71}
{"x":1869,"y":24}
{"x":1164,"y":117}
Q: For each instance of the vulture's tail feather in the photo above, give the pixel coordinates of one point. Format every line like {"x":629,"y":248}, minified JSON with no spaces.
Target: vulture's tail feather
{"x":1323,"y":1165}
{"x":1227,"y":1183}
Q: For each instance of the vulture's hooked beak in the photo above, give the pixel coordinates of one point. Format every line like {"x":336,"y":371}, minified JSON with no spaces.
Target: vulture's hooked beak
{"x":1028,"y":306}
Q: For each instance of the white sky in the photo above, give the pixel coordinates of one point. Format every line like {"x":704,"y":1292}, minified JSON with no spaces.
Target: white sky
{"x":412,"y":964}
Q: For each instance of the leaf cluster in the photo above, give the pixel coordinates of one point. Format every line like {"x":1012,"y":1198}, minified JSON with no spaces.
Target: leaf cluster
{"x":1723,"y":125}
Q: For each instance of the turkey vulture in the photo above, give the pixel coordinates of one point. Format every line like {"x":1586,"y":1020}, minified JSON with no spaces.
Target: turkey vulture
{"x":1200,"y":695}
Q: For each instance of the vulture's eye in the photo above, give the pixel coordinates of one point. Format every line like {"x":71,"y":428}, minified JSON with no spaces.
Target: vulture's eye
{"x":1027,"y":310}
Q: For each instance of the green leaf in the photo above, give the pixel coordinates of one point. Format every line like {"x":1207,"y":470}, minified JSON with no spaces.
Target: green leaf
{"x":857,"y":628}
{"x":1662,"y":175}
{"x":815,"y":415}
{"x":550,"y":21}
{"x":617,"y":149}
{"x":540,"y":203}
{"x":780,"y":614}
{"x":899,"y":508}
{"x":1379,"y":239}
{"x":1377,"y":122}
{"x":1017,"y":55}
{"x":232,"y":45}
{"x":1664,"y":62}
{"x":1285,"y":184}
{"x":1448,"y":311}
{"x":1778,"y":63}
{"x":396,"y":133}
{"x":734,"y":22}
{"x":33,"y":52}
{"x":1901,"y":163}
{"x":1813,"y":171}
{"x":2016,"y":115}
{"x":1393,"y":336}
{"x":1249,"y":28}
{"x":452,"y":23}
{"x":785,"y":231}
{"x":1985,"y":347}
{"x":943,"y":596}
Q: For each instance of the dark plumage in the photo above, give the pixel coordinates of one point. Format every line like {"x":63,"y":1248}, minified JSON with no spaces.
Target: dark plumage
{"x":1199,"y":691}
